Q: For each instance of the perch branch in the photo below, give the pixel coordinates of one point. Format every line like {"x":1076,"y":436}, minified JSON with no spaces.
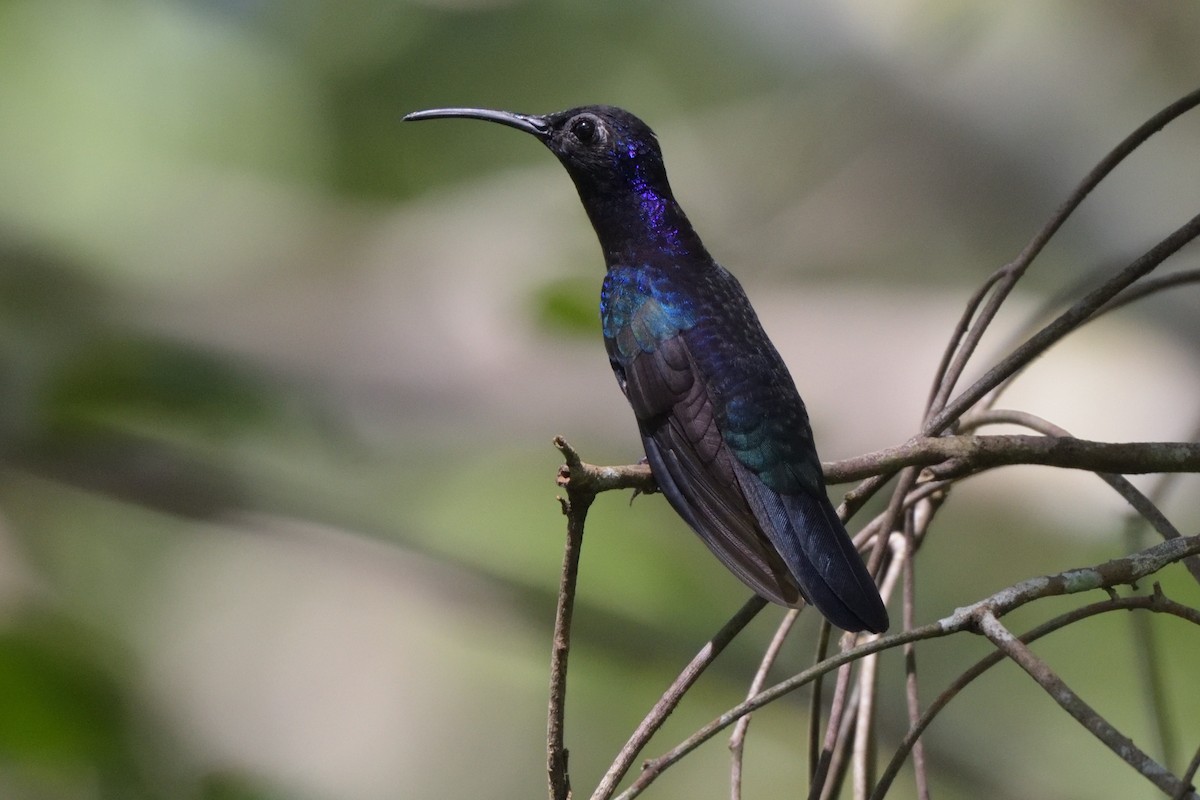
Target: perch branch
{"x":957,"y":455}
{"x":580,"y":493}
{"x":582,"y":482}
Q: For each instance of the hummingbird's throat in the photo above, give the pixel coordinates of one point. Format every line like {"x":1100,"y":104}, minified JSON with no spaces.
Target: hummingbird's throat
{"x":650,"y":229}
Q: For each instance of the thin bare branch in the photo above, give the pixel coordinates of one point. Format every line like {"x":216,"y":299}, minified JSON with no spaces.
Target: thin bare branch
{"x":592,"y":480}
{"x":1143,"y":288}
{"x":1186,"y":785}
{"x":1066,"y":322}
{"x":1006,"y":278}
{"x":666,"y":704}
{"x":839,"y":761}
{"x":1073,"y":704}
{"x":1117,"y":572}
{"x":1156,"y":602}
{"x":737,"y":741}
{"x":575,"y":507}
{"x":837,"y":715}
{"x":1148,"y":661}
{"x":1149,"y":287}
{"x":945,"y":378}
{"x":974,"y":453}
{"x":824,"y":636}
{"x":1147,"y":651}
{"x":864,"y":728}
{"x":911,"y":688}
{"x":862,"y":750}
{"x":1142,"y":504}
{"x":582,"y":482}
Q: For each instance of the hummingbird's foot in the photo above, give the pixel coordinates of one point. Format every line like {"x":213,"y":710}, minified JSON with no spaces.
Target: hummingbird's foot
{"x":648,"y":490}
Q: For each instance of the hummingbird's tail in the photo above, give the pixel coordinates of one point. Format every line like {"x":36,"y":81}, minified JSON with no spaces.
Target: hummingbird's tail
{"x":813,"y":542}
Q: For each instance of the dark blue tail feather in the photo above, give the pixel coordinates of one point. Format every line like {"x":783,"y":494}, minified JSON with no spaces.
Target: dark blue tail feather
{"x":806,"y":532}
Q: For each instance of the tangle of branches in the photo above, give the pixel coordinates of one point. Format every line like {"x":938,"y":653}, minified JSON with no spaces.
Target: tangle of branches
{"x":921,"y":473}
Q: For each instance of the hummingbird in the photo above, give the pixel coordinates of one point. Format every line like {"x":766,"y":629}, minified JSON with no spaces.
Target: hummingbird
{"x":726,"y":434}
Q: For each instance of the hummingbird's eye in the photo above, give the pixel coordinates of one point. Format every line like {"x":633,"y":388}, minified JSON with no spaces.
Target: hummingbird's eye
{"x":584,"y":129}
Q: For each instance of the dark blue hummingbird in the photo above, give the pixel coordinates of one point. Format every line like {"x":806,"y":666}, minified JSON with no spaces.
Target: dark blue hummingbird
{"x":725,"y":431}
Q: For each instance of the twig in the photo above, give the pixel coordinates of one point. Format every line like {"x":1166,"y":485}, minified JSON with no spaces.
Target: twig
{"x":837,"y":714}
{"x":969,"y":454}
{"x":666,"y":704}
{"x":1142,"y":504}
{"x":1006,"y":278}
{"x":881,"y":466}
{"x":589,"y":479}
{"x":575,"y":506}
{"x":1074,"y":705}
{"x":864,"y":729}
{"x":1185,"y":785}
{"x":862,"y":751}
{"x":956,"y":351}
{"x":1146,"y":648}
{"x":582,"y":483}
{"x":1122,"y":571}
{"x":912,"y":695}
{"x":1147,"y":659}
{"x":857,"y":497}
{"x":1151,"y":286}
{"x":1143,"y":288}
{"x":840,"y":758}
{"x":976,"y":452}
{"x":1156,"y":602}
{"x":824,"y":636}
{"x":737,"y":741}
{"x":1063,"y":324}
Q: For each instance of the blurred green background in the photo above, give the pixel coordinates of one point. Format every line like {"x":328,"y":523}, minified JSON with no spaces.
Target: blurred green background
{"x":278,"y":376}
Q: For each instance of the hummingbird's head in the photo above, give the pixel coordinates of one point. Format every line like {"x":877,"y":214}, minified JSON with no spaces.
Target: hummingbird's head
{"x":606,"y":150}
{"x":615,"y":161}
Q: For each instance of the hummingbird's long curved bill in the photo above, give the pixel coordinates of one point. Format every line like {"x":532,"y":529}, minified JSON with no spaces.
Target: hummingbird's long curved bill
{"x":530,"y":123}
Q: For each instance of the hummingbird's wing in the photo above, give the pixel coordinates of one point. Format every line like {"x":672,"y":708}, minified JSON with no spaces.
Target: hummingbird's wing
{"x":695,"y":469}
{"x":728,"y":440}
